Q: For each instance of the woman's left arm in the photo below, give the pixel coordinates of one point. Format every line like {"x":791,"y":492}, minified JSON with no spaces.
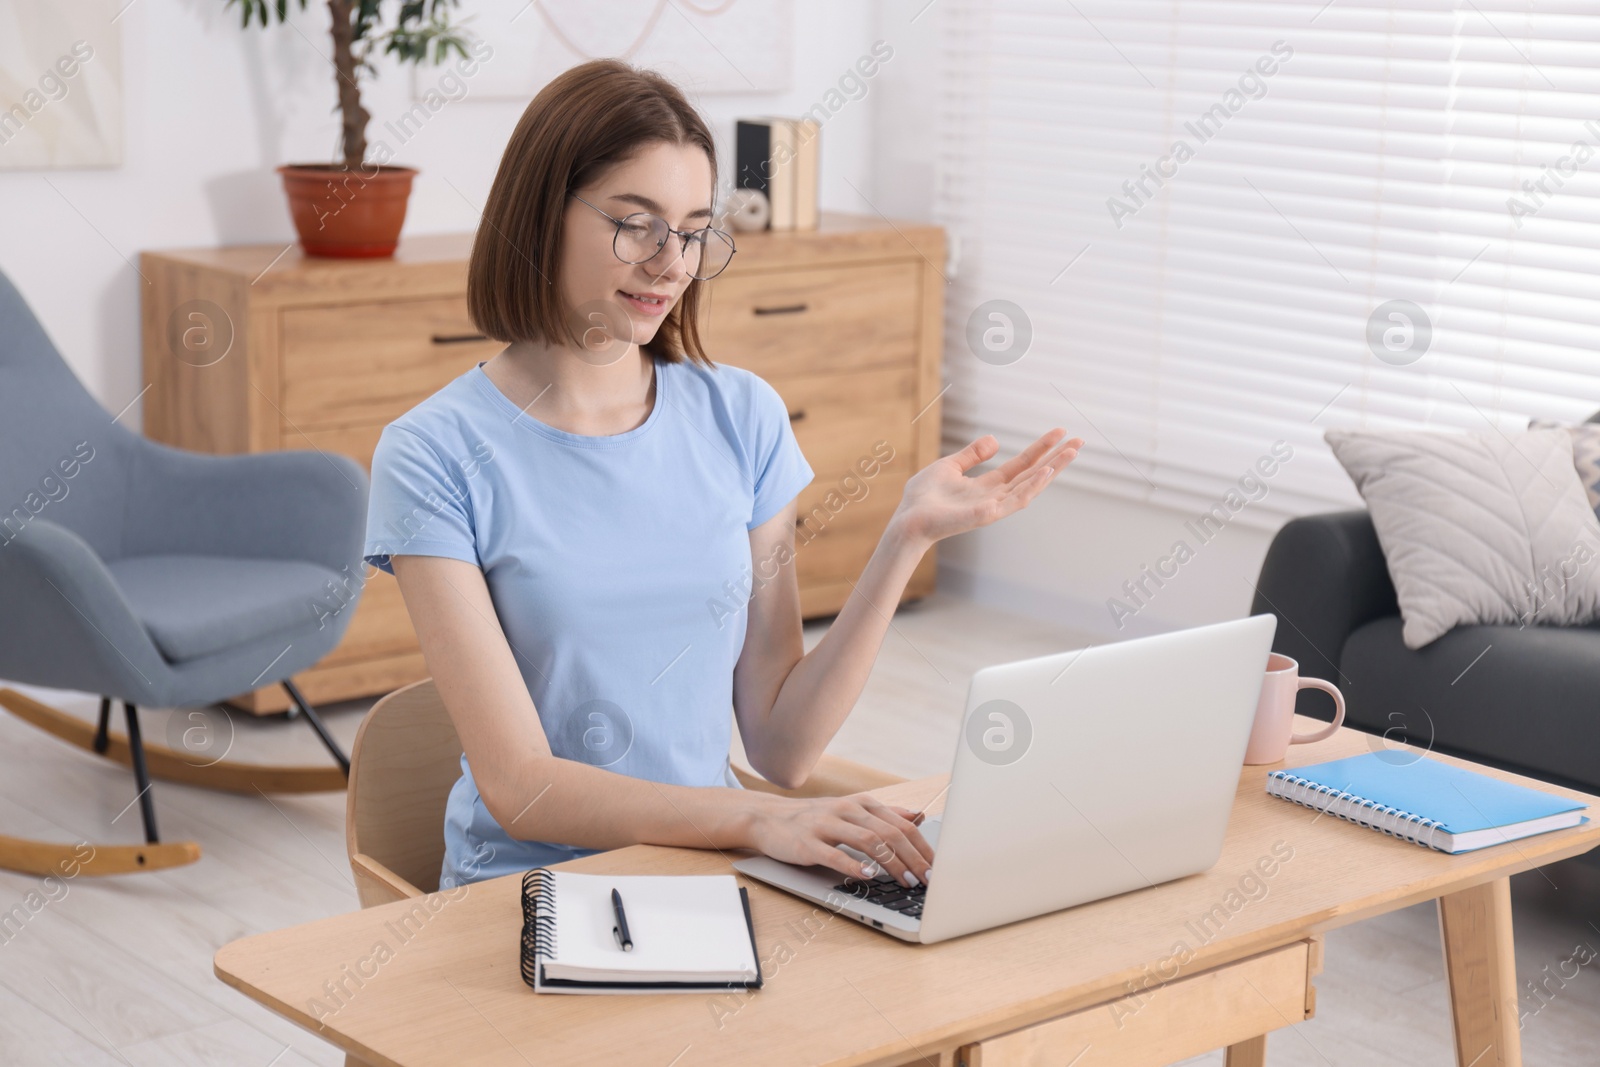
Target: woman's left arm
{"x":788,"y":702}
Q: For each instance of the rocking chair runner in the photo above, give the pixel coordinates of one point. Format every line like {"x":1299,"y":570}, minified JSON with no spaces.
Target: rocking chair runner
{"x":157,"y":576}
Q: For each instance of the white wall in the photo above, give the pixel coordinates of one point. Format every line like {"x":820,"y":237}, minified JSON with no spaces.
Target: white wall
{"x":1072,"y":549}
{"x":210,"y":109}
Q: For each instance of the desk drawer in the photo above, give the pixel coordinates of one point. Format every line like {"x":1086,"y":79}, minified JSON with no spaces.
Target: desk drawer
{"x":814,"y":321}
{"x":857,"y":434}
{"x":850,"y":424}
{"x":833,"y":545}
{"x":370,"y":363}
{"x":1167,"y":1023}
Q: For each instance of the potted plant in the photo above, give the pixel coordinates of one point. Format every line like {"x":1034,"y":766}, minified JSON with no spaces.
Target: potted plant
{"x":355,"y":208}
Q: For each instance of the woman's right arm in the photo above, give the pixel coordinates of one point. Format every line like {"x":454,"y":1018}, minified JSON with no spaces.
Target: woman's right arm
{"x":535,"y":795}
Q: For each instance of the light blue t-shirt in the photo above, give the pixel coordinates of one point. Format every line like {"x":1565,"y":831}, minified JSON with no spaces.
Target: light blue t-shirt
{"x":619,"y":567}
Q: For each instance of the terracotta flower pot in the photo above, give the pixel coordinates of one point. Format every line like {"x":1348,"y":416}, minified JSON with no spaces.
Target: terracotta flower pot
{"x":347,"y":213}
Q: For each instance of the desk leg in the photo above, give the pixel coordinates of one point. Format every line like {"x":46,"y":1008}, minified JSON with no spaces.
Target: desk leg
{"x":1475,"y":927}
{"x":1252,"y":1053}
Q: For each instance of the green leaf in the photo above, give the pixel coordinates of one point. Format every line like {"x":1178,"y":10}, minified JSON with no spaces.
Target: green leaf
{"x":367,"y":15}
{"x":262,"y":10}
{"x":422,"y":30}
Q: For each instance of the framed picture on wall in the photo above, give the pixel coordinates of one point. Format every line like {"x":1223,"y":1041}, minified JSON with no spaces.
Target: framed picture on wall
{"x":60,"y":85}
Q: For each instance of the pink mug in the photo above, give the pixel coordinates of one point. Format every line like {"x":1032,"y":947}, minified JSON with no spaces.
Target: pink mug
{"x":1271,"y":736}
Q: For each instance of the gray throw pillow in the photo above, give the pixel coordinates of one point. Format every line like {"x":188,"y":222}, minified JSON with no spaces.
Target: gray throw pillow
{"x":1484,"y":528}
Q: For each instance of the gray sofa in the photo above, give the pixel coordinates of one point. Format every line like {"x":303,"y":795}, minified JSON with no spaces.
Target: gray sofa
{"x":1523,"y":699}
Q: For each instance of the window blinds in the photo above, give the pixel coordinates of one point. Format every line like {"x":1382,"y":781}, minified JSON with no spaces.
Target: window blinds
{"x":1227,"y":225}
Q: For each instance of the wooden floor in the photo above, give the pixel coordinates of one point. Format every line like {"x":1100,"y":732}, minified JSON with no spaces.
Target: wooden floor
{"x":118,"y":971}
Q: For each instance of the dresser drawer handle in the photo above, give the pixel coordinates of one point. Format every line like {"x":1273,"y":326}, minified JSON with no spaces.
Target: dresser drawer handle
{"x":796,"y":416}
{"x":457,"y":338}
{"x":786,"y":309}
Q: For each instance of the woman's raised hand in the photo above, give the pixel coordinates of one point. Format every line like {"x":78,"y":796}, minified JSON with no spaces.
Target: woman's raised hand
{"x":942,"y":499}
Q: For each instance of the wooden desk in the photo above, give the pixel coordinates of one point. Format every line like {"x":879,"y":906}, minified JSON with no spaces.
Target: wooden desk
{"x":1149,"y":977}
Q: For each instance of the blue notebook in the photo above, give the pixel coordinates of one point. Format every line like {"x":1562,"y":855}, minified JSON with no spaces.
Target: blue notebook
{"x":1425,"y":801}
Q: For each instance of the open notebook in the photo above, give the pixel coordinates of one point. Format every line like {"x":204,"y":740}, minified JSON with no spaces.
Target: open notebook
{"x":691,"y":933}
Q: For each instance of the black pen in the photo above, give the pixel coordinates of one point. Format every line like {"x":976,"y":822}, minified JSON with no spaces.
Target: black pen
{"x":620,"y":931}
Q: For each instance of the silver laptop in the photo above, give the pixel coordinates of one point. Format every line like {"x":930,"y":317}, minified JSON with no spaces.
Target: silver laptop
{"x":1077,"y":776}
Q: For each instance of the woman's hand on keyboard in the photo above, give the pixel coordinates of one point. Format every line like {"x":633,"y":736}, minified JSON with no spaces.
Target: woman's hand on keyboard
{"x":808,"y":830}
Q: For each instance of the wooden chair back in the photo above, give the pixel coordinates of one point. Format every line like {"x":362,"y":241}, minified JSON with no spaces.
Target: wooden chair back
{"x":405,"y":760}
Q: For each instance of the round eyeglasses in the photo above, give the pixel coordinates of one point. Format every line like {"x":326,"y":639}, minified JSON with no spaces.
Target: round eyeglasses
{"x":641,"y":236}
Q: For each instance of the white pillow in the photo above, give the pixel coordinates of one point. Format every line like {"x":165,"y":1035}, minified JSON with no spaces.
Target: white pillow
{"x":1479,"y":528}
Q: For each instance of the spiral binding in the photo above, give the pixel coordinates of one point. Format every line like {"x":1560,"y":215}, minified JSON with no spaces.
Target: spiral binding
{"x":538,"y":922}
{"x":1394,"y":822}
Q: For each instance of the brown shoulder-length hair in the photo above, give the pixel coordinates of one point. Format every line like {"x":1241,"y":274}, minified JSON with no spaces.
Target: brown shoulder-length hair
{"x":589,"y":118}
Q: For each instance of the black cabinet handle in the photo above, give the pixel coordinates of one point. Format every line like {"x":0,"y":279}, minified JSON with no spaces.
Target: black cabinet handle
{"x":458,"y":338}
{"x":796,"y":416}
{"x":786,"y":309}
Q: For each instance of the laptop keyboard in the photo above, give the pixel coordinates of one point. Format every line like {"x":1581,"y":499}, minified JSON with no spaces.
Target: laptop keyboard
{"x":886,"y":891}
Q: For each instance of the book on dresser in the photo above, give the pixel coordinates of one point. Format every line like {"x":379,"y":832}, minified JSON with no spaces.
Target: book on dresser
{"x":779,"y":158}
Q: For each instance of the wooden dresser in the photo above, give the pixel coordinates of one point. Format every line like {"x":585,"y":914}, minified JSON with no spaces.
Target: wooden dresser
{"x":255,"y":348}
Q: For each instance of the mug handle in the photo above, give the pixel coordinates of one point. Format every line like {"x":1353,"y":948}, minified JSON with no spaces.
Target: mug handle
{"x":1338,"y":710}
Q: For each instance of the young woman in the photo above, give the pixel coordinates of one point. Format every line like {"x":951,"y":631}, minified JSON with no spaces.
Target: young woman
{"x":567,"y":520}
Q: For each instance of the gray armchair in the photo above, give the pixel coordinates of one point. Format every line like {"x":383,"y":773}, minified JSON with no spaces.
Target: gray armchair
{"x":152,"y":575}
